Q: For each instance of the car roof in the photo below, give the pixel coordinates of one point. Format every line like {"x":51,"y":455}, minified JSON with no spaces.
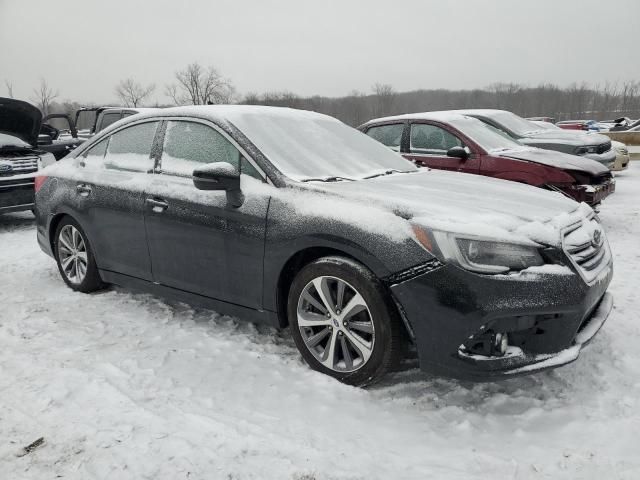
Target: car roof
{"x":228,"y":113}
{"x":128,"y":109}
{"x":444,"y":116}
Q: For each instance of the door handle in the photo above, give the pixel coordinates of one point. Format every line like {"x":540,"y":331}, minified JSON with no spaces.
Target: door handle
{"x":83,"y":189}
{"x":158,"y":206}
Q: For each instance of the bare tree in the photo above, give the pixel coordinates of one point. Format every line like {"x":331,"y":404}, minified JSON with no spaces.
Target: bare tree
{"x":9,"y":86}
{"x":198,"y":85}
{"x":384,"y":96}
{"x":44,"y":96}
{"x":132,"y":93}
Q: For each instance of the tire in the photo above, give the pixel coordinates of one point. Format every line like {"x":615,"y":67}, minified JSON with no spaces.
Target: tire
{"x":368,"y":338}
{"x":69,"y":244}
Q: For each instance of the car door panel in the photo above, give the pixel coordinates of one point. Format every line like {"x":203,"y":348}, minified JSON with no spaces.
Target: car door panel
{"x":197,"y":240}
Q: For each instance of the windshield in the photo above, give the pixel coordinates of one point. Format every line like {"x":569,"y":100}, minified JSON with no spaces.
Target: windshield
{"x":306,"y":145}
{"x":513,"y":122}
{"x":484,"y":135}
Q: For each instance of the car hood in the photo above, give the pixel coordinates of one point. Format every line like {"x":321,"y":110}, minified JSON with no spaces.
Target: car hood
{"x":465,"y":203}
{"x":568,"y":137}
{"x":20,"y":119}
{"x":552,"y":158}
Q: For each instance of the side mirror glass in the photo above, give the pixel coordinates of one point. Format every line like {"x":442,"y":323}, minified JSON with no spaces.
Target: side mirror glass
{"x":220,"y":176}
{"x":458,"y":152}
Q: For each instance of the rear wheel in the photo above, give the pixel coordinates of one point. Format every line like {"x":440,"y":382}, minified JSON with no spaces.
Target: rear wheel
{"x":75,"y":257}
{"x":342,"y":323}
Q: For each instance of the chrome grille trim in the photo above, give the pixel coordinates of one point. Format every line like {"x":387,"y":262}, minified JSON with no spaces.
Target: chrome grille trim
{"x":590,"y":258}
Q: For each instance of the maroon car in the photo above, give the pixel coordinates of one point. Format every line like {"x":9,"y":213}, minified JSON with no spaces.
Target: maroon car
{"x":451,"y":141}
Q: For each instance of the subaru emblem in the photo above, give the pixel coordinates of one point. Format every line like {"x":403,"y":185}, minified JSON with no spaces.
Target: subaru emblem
{"x":5,"y":167}
{"x":597,"y":237}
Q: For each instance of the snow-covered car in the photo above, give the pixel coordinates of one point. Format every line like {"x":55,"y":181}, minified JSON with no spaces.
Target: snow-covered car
{"x":591,"y":145}
{"x":292,"y":218}
{"x":20,"y":158}
{"x":450,"y":141}
{"x":622,"y":156}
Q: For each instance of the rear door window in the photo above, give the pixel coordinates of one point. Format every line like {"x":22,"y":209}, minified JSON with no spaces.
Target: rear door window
{"x":389,"y":135}
{"x":432,"y":140}
{"x":130,"y":149}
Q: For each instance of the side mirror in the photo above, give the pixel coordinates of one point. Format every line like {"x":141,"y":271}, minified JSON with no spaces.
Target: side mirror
{"x":220,"y":176}
{"x":44,"y":139}
{"x":458,"y":152}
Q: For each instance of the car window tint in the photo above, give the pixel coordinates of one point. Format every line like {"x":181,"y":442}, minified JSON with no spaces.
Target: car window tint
{"x":94,"y":157}
{"x":189,"y":144}
{"x":108,"y":119}
{"x":389,"y":135}
{"x":130,"y":149}
{"x":433,"y":140}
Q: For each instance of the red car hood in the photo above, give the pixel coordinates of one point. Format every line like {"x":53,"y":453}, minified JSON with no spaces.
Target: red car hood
{"x":552,"y":158}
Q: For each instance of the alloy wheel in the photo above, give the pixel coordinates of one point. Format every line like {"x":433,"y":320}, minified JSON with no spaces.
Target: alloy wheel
{"x":335,"y":324}
{"x":72,"y":251}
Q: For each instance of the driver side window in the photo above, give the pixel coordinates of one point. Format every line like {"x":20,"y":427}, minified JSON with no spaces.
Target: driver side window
{"x":432,"y":140}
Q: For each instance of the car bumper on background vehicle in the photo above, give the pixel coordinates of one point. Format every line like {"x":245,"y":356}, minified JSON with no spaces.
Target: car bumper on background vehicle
{"x":622,"y":161}
{"x":16,"y":194}
{"x":607,"y":158}
{"x":546,"y":319}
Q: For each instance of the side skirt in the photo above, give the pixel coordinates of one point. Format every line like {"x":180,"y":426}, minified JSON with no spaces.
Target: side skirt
{"x":221,"y":307}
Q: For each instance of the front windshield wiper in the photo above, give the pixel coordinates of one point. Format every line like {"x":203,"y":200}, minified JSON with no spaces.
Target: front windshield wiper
{"x":328,"y":179}
{"x":386,"y":172}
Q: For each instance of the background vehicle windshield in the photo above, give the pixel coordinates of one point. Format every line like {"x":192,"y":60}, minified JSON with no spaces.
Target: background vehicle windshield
{"x":485,"y":135}
{"x":513,"y":122}
{"x":304,"y":146}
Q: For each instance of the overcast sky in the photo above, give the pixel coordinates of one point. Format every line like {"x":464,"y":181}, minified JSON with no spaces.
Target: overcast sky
{"x":84,"y":47}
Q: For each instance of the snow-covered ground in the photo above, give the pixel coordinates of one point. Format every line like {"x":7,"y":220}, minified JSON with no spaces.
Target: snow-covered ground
{"x":128,"y":386}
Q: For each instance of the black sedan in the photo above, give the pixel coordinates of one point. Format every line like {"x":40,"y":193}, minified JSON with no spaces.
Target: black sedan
{"x":295,"y":219}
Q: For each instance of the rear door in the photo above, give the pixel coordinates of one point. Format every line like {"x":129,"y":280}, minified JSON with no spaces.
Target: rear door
{"x":198,"y":242}
{"x":428,"y":146}
{"x":110,"y":195}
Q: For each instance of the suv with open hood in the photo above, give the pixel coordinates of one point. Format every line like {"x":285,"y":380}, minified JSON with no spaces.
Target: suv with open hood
{"x":20,"y":159}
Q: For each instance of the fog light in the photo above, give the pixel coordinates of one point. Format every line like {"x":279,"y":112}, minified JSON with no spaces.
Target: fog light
{"x":499,"y":344}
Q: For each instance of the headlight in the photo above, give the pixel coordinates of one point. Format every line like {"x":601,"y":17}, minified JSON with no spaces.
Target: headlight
{"x":585,"y":150}
{"x":479,"y":254}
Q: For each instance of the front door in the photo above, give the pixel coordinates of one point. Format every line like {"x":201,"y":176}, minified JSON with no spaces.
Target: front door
{"x":428,"y":146}
{"x":198,"y":242}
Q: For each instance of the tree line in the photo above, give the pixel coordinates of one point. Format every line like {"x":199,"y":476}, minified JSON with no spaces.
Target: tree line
{"x":199,"y":85}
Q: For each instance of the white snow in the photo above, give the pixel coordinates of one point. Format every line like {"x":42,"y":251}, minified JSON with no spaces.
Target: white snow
{"x":128,"y":386}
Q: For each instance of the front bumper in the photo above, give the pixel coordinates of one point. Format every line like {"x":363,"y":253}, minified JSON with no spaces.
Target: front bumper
{"x":548,"y":318}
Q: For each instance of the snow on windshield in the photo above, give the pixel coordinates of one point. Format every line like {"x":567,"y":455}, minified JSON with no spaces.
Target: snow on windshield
{"x":11,"y":141}
{"x":513,"y":122}
{"x":315,"y":146}
{"x":484,"y":135}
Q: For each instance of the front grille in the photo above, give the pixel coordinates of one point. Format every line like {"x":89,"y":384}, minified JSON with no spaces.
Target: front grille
{"x":586,"y":245}
{"x":21,"y":165}
{"x":604,"y":147}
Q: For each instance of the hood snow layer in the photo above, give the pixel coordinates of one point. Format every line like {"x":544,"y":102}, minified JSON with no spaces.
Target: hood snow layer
{"x":556,"y":159}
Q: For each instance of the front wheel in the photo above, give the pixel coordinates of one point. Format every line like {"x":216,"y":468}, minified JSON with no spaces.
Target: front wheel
{"x":342,"y":322}
{"x":75,"y":257}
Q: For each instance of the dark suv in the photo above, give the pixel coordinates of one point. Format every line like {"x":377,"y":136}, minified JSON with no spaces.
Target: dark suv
{"x":20,"y":157}
{"x":294,"y":219}
{"x":451,"y":141}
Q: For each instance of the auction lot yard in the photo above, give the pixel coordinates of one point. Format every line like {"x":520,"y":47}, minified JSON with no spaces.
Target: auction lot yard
{"x":129,"y":386}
